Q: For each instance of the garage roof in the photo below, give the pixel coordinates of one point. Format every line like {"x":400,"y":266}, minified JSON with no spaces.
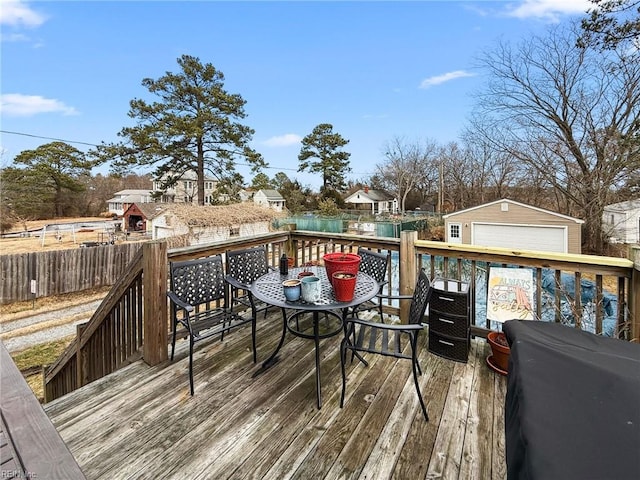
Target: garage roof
{"x":513,"y":202}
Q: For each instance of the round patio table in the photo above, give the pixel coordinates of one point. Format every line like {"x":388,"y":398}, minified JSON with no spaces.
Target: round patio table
{"x":268,"y":289}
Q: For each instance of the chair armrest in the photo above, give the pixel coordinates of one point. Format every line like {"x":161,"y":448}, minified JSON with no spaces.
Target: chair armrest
{"x":235,"y":283}
{"x":174,"y":298}
{"x":386,"y":326}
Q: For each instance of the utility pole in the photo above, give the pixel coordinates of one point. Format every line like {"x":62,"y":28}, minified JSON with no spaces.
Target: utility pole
{"x":440,"y":187}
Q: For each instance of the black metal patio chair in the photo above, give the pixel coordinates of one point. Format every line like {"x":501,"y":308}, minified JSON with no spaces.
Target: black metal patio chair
{"x":375,"y":264}
{"x":243,"y":268}
{"x":198,"y":295}
{"x":391,"y":340}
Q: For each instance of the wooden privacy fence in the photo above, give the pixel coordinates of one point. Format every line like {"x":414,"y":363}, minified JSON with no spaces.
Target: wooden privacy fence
{"x":26,"y":276}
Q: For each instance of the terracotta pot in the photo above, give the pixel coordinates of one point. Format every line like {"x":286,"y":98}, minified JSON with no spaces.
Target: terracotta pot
{"x":341,"y":262}
{"x":344,"y":284}
{"x":499,"y":352}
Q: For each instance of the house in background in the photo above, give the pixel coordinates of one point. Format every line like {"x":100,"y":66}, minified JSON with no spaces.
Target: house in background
{"x":374,"y":201}
{"x":185,"y":189}
{"x":197,"y":225}
{"x":621,"y":222}
{"x":510,"y":224}
{"x":269,"y":198}
{"x":124,"y":198}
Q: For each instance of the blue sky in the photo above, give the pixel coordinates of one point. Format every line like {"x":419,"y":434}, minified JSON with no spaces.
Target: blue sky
{"x":374,"y":70}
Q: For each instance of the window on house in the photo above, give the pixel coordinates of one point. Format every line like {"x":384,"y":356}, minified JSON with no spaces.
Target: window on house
{"x":454,"y":231}
{"x":234,"y":231}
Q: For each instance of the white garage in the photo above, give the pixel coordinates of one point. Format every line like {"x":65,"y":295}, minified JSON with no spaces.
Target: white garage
{"x":521,"y":237}
{"x":509,"y":224}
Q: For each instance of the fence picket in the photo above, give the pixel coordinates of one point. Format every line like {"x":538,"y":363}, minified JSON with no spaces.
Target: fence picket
{"x":62,"y":271}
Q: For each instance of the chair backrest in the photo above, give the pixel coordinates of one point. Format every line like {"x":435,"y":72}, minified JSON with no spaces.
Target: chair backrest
{"x":198,"y":281}
{"x":247,"y":265}
{"x":374,"y":264}
{"x":420,"y":299}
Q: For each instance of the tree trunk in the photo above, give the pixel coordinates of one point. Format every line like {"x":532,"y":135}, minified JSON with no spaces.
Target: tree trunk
{"x":200,"y":173}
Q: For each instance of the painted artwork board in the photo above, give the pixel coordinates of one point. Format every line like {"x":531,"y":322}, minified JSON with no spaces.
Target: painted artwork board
{"x":510,"y":294}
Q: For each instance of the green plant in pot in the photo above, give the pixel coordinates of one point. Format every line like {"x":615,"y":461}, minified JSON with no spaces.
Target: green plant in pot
{"x":498,"y":361}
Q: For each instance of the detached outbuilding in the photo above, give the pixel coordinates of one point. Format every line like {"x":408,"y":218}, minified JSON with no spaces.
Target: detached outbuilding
{"x":138,"y":216}
{"x":197,"y":225}
{"x":510,"y":224}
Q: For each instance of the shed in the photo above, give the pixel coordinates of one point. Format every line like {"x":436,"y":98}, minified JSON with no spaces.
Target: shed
{"x":376,"y":201}
{"x":137,"y":216}
{"x":622,"y":222}
{"x":205,"y":224}
{"x":510,"y":224}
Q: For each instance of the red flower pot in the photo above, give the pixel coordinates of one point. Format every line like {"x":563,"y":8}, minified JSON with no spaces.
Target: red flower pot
{"x":344,"y":284}
{"x":341,"y":262}
{"x":500,"y":352}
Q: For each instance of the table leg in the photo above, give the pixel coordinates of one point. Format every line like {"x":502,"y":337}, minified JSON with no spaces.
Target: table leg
{"x":316,"y":338}
{"x":273,"y":357}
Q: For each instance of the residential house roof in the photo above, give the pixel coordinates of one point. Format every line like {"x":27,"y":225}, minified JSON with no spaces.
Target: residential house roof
{"x":624,"y":206}
{"x":513,"y":202}
{"x":372,"y":195}
{"x":123,"y":193}
{"x":151,"y":210}
{"x":272,"y":195}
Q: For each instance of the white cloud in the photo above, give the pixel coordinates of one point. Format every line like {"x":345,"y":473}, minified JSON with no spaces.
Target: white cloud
{"x":18,"y":105}
{"x":445,"y":77}
{"x":283,"y":140}
{"x":548,"y":9}
{"x":18,"y":13}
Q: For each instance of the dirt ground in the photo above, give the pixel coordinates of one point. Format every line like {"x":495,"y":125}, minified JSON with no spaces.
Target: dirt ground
{"x":66,"y":240}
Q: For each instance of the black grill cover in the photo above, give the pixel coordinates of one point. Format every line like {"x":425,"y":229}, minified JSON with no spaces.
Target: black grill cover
{"x":572,"y":409}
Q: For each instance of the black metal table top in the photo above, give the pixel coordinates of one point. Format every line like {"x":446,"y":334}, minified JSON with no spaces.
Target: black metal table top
{"x":268,"y":289}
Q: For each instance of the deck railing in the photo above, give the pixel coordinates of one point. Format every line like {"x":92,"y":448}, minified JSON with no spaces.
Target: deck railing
{"x":133,"y":321}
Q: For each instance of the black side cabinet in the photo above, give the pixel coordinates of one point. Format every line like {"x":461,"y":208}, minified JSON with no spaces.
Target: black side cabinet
{"x":449,"y":321}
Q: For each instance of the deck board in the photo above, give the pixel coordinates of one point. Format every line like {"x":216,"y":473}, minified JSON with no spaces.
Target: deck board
{"x":141,"y":421}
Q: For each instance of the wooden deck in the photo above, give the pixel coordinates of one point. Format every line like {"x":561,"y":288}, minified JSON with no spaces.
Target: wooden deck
{"x":141,"y":422}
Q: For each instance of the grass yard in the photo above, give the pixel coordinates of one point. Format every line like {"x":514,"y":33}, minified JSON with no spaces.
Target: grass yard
{"x":31,"y":361}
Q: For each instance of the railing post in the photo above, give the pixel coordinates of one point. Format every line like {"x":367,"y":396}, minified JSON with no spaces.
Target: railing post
{"x":634,"y":294}
{"x":154,"y":289}
{"x":408,"y":269}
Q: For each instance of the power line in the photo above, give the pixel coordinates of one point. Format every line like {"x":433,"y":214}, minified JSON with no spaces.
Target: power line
{"x":94,"y":145}
{"x":49,"y":138}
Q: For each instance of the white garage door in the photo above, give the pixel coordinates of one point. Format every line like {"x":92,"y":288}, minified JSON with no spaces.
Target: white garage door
{"x":520,"y":237}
